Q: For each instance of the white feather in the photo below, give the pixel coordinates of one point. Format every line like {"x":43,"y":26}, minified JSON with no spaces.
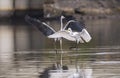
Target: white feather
{"x":85,"y":35}
{"x":63,"y":34}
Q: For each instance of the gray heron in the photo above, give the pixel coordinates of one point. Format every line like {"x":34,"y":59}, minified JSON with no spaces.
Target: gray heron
{"x":72,"y":31}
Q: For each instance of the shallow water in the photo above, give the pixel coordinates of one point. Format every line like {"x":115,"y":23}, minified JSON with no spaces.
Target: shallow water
{"x":29,"y":64}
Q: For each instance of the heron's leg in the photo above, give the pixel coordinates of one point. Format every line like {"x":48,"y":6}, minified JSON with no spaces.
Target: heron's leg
{"x":61,"y":57}
{"x":75,"y":46}
{"x":76,"y":62}
{"x":56,"y":54}
{"x":76,"y":59}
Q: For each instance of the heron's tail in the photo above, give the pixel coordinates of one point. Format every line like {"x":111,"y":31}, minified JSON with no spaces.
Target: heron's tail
{"x":43,"y":28}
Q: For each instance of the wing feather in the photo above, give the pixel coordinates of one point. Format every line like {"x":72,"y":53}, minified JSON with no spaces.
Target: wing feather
{"x":74,"y":25}
{"x":41,"y":26}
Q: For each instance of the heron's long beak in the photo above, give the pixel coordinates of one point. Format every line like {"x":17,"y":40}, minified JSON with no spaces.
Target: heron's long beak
{"x":85,"y":35}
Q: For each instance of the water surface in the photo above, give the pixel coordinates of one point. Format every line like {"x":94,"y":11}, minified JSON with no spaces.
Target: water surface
{"x":33,"y":52}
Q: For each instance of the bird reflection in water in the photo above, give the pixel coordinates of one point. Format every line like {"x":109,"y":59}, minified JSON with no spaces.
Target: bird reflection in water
{"x":72,"y":31}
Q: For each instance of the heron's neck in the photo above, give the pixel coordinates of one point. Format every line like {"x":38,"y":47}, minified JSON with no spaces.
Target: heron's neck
{"x":61,"y":23}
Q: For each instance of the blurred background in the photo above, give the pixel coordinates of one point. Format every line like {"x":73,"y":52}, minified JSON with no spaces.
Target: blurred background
{"x":20,"y":42}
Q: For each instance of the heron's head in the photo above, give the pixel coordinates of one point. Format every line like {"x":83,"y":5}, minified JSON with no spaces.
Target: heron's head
{"x":62,"y":17}
{"x":69,"y":30}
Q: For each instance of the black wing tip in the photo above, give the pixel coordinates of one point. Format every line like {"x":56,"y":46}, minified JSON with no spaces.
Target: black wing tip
{"x":30,"y":19}
{"x":41,"y":26}
{"x":27,"y":17}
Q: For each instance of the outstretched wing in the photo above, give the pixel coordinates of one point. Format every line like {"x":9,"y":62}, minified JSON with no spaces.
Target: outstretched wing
{"x":41,"y":26}
{"x":74,"y":25}
{"x":80,"y":28}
